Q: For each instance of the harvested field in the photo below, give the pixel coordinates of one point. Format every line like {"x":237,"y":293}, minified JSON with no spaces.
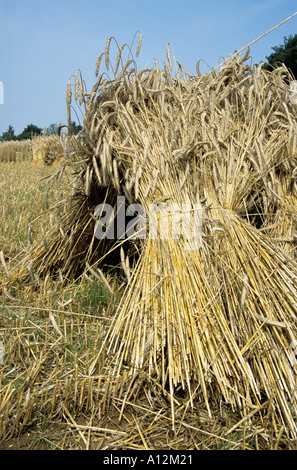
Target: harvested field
{"x":149,"y":342}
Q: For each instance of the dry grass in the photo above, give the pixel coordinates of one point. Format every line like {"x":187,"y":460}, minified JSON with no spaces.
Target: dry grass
{"x":15,"y":151}
{"x":201,"y":341}
{"x":49,"y":336}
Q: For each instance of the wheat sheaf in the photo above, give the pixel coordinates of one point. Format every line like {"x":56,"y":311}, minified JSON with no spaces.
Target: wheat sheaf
{"x":217,"y":321}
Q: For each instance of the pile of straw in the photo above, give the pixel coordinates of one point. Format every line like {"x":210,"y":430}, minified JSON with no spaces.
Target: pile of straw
{"x":15,"y":151}
{"x":47,"y":149}
{"x":218,"y":321}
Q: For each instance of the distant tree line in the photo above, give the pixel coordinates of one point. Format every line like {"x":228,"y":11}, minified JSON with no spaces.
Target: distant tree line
{"x":31,"y":131}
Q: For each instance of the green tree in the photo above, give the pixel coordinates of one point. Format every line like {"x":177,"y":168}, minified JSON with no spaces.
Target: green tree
{"x":29,"y":132}
{"x":52,"y":129}
{"x":9,"y":134}
{"x":284,"y":54}
{"x":75,"y":128}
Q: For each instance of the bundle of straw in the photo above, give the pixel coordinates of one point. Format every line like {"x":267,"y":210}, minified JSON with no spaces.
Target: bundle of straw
{"x":47,"y":149}
{"x":218,"y":319}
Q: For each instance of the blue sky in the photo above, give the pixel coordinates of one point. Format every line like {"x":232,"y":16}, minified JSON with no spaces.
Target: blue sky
{"x":42,"y":43}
